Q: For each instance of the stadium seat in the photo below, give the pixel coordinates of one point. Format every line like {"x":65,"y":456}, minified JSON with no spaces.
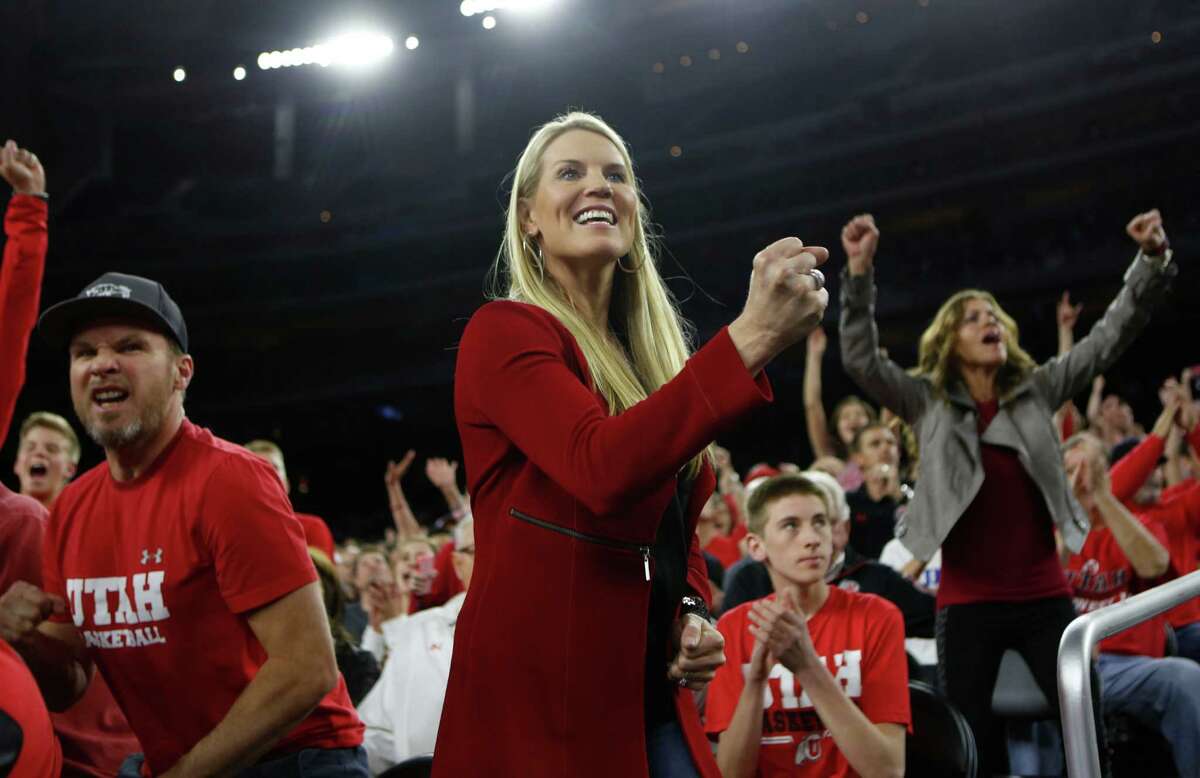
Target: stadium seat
{"x":413,"y":767}
{"x":941,"y":744}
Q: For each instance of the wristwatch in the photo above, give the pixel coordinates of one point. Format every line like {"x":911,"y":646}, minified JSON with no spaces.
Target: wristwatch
{"x":695,"y":605}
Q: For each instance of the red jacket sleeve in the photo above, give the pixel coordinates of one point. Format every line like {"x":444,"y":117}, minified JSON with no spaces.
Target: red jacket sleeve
{"x":515,"y":373}
{"x":1132,"y":470}
{"x":20,"y":292}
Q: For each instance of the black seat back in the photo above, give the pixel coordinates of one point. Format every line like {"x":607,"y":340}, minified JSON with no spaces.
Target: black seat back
{"x":941,"y":744}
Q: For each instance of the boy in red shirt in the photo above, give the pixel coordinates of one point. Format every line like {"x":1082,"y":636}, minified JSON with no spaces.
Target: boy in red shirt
{"x":816,"y":680}
{"x":1122,"y":555}
{"x":178,"y":568}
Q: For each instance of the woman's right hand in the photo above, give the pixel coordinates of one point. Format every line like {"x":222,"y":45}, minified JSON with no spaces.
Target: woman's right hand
{"x":784,"y":303}
{"x":860,"y":238}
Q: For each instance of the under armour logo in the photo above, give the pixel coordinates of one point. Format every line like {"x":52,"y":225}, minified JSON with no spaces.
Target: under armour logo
{"x":147,"y":556}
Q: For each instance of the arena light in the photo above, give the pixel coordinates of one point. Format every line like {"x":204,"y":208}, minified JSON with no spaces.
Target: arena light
{"x":239,"y":73}
{"x":474,"y":7}
{"x":412,"y":42}
{"x":179,"y":75}
{"x":355,"y":49}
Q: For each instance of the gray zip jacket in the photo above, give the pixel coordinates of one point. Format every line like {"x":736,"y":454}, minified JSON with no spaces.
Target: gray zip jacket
{"x":951,"y":469}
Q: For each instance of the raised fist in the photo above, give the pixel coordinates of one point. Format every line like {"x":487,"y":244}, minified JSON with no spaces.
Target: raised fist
{"x":23,"y":607}
{"x":786,"y":299}
{"x":21,"y":169}
{"x":860,"y":238}
{"x":1147,"y":230}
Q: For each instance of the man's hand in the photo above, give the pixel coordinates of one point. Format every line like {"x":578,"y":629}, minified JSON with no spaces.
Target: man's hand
{"x":860,"y":239}
{"x":385,"y":600}
{"x":912,"y":569}
{"x":700,"y":651}
{"x":1147,"y":230}
{"x":21,"y":169}
{"x":761,"y":662}
{"x":1172,"y":402}
{"x":396,"y":470}
{"x":784,"y":629}
{"x":722,"y":461}
{"x":22,"y":608}
{"x":442,"y":473}
{"x":883,"y":480}
{"x":1066,"y":313}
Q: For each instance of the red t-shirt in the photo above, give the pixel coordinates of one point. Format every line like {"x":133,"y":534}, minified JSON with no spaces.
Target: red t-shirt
{"x":1002,"y":548}
{"x":21,"y":701}
{"x":861,"y":638}
{"x":316,"y":533}
{"x":159,"y":574}
{"x":1100,"y":574}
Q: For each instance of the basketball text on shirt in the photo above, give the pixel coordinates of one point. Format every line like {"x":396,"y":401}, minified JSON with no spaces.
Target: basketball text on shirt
{"x":138,"y":600}
{"x":847,"y":670}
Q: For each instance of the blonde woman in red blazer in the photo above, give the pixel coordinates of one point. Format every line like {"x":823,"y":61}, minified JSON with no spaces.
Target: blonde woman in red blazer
{"x":584,"y":421}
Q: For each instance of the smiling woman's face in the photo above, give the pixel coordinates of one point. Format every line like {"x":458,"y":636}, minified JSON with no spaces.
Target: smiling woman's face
{"x":585,"y":207}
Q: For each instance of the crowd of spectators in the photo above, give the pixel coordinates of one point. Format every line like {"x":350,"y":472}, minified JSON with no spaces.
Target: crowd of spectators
{"x":391,"y":602}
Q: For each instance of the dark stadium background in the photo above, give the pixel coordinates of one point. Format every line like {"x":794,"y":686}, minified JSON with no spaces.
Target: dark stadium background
{"x":326,"y":275}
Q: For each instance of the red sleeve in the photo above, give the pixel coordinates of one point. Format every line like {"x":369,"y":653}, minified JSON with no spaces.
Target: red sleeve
{"x":1193,"y":439}
{"x":255,"y":540}
{"x":1132,"y":470}
{"x":885,"y":668}
{"x":726,"y":686}
{"x":20,"y":292}
{"x":514,"y":372}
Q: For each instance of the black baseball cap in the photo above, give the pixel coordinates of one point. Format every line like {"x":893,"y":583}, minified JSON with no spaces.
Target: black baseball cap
{"x":115,"y":295}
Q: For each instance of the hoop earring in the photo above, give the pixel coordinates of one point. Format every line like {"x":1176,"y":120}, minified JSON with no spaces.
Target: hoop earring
{"x":628,"y":270}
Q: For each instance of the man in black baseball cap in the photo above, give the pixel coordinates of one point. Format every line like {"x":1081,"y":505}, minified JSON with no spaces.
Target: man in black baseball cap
{"x":115,"y":295}
{"x":177,"y":567}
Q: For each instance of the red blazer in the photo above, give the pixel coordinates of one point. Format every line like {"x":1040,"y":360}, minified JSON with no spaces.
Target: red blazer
{"x":546,"y":678}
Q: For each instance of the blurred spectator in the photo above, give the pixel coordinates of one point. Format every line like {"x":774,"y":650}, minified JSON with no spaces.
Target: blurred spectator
{"x":24,"y":263}
{"x":1138,"y":481}
{"x":403,"y":710}
{"x":1123,"y":555}
{"x":817,"y":675}
{"x":47,"y":455}
{"x":992,"y":488}
{"x":850,"y":415}
{"x":357,"y":665}
{"x":714,"y":527}
{"x":316,"y":531}
{"x":875,"y":505}
{"x":218,"y":601}
{"x":370,"y":566}
{"x":897,"y":557}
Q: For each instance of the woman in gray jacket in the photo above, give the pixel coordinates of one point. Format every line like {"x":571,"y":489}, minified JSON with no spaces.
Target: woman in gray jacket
{"x":992,"y":492}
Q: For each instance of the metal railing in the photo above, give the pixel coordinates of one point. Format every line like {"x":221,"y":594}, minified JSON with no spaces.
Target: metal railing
{"x":1075,"y":663}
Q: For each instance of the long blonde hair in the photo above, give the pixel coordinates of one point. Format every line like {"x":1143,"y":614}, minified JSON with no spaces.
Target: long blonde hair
{"x":935,"y":354}
{"x":658,"y":337}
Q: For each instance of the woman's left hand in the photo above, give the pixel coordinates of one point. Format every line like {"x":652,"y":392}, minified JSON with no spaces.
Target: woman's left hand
{"x":700,"y":650}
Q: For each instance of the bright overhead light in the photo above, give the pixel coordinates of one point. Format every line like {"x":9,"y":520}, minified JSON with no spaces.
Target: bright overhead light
{"x":473,"y":7}
{"x":412,"y":42}
{"x":180,"y":74}
{"x":489,"y":22}
{"x":239,"y":73}
{"x":356,"y":49}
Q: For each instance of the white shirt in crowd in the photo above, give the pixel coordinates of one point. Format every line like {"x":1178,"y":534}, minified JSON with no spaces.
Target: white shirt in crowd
{"x":402,"y":711}
{"x":896,"y":556}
